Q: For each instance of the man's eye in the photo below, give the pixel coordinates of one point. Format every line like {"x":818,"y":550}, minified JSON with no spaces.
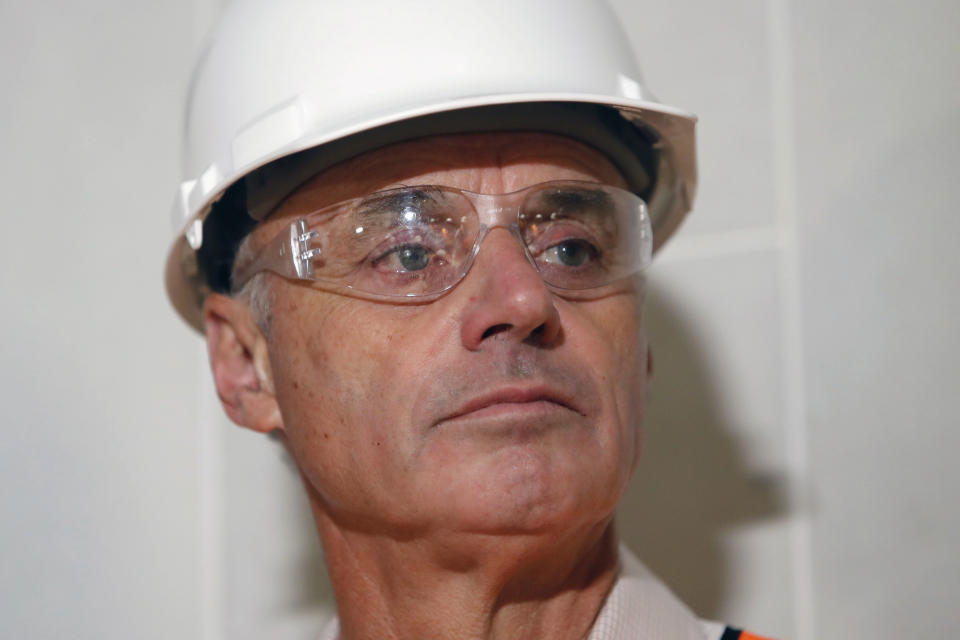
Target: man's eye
{"x":407,"y":257}
{"x":570,"y":253}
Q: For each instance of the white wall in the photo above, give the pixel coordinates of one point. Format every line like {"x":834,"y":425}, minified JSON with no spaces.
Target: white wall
{"x":99,"y":459}
{"x":798,"y":475}
{"x":804,"y":319}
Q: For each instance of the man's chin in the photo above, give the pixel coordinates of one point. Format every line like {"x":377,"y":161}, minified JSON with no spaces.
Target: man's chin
{"x":524,"y":489}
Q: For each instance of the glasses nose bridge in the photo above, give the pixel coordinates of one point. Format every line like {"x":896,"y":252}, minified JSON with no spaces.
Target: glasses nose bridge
{"x":497,"y":210}
{"x":500,"y":211}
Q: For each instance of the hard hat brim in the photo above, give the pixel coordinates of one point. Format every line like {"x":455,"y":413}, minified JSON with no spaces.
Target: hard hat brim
{"x":670,"y":201}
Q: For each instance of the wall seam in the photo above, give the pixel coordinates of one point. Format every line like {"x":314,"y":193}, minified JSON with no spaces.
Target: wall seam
{"x":796,"y":425}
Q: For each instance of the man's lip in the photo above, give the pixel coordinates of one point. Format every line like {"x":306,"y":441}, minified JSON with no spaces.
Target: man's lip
{"x":513,"y":396}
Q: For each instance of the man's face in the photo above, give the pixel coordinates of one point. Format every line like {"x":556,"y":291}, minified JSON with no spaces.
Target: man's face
{"x":497,"y":407}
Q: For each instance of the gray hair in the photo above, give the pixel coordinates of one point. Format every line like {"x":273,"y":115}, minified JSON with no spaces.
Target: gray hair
{"x":256,"y":292}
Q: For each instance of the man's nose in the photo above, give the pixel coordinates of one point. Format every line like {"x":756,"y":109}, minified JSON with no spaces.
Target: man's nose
{"x":506,"y":296}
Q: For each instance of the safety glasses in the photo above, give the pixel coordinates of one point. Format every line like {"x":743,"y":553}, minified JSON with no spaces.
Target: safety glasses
{"x":416,"y":243}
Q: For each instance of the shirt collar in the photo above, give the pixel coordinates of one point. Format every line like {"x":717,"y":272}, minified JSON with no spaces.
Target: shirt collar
{"x":640,"y":607}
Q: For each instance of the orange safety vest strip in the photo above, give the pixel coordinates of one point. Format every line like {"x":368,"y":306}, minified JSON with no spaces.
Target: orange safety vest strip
{"x":732,"y":633}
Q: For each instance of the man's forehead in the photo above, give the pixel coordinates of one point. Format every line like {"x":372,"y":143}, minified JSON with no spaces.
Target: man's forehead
{"x":483,"y":162}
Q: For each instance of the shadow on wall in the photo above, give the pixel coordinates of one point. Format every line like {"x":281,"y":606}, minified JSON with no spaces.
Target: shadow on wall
{"x":691,"y":484}
{"x":690,"y":488}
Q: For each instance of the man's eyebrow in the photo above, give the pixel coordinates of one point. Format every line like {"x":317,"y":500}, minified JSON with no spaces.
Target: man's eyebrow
{"x":577,"y":197}
{"x":393,"y":200}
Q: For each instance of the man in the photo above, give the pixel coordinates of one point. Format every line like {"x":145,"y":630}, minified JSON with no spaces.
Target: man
{"x":416,"y":244}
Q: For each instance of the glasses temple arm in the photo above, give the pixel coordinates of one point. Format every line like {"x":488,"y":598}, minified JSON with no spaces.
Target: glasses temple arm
{"x":289,"y":254}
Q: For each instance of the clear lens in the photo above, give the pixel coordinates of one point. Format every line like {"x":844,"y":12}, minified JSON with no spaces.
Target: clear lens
{"x":581,"y":235}
{"x":416,"y":242}
{"x":405,"y":242}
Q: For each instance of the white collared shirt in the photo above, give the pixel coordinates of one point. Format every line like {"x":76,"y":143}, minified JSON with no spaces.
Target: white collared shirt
{"x":640,"y":607}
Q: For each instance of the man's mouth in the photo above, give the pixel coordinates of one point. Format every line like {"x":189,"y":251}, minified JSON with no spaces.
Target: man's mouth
{"x":514,"y":402}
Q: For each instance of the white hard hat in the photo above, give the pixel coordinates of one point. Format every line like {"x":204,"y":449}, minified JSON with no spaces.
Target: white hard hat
{"x":287,"y":88}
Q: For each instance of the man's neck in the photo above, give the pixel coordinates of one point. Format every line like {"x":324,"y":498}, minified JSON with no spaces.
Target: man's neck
{"x":470,"y":587}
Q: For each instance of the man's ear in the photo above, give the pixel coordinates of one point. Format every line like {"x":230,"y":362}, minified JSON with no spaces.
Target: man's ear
{"x":240,"y":364}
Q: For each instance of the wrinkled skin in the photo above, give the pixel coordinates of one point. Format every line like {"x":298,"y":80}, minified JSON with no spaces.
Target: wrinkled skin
{"x":378,"y":402}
